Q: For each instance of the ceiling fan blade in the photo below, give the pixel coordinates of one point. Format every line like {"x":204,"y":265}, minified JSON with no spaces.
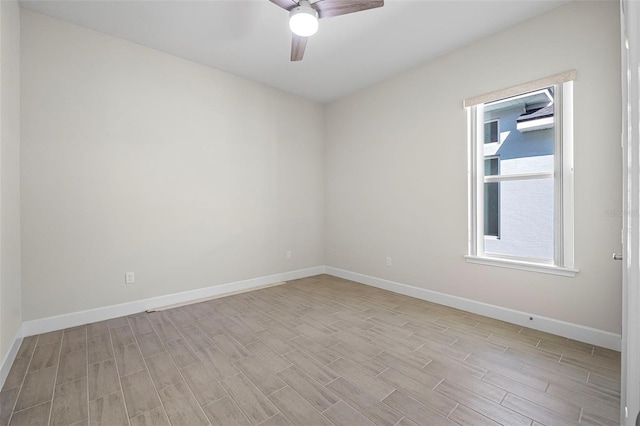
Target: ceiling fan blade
{"x":285,"y":4}
{"x":330,"y":8}
{"x":298,"y":45}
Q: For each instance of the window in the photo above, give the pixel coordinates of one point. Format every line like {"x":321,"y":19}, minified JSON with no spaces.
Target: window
{"x":521,"y":190}
{"x":491,"y":131}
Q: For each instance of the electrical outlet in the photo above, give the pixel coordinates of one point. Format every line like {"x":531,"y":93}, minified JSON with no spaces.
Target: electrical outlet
{"x":388,"y":261}
{"x":288,"y":254}
{"x":129,"y":277}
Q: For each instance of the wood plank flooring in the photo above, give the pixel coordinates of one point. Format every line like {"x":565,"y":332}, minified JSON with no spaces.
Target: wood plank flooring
{"x":316,"y":351}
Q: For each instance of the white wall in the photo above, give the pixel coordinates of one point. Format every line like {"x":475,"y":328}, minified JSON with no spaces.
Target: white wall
{"x":396,"y":169}
{"x":135,"y":160}
{"x":10,"y":291}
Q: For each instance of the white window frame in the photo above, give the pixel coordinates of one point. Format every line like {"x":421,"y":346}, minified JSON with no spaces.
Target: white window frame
{"x":563,"y":263}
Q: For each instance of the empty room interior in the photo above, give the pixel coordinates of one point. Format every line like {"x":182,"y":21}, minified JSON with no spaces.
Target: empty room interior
{"x":407,"y":218}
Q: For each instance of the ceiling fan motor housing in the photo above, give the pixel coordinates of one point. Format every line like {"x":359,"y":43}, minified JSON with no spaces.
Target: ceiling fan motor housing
{"x":303,"y":19}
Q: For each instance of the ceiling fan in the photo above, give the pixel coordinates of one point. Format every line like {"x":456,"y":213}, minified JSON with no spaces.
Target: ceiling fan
{"x":304,"y":15}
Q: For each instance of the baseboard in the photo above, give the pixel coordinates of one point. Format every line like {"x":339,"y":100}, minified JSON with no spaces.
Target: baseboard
{"x":7,"y":362}
{"x":44,"y":325}
{"x":561,"y":328}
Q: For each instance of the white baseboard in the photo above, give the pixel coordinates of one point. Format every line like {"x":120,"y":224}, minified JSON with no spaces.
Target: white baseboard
{"x":561,"y":328}
{"x":7,"y":362}
{"x":44,"y":325}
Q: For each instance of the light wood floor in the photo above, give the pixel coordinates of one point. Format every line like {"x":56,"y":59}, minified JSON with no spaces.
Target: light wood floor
{"x":316,"y":351}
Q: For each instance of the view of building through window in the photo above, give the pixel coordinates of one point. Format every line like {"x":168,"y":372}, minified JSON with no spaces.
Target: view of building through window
{"x":519,"y":176}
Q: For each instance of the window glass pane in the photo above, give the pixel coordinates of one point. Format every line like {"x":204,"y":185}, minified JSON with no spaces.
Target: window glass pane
{"x":491,"y":132}
{"x":491,"y":198}
{"x":491,"y":166}
{"x":492,"y":209}
{"x":526,"y":219}
{"x":526,"y":124}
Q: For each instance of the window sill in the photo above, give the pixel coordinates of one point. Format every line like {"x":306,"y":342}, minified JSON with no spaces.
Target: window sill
{"x":522,"y":265}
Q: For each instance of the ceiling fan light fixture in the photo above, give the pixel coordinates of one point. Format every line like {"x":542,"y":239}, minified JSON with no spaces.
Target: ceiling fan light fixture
{"x":303,"y":20}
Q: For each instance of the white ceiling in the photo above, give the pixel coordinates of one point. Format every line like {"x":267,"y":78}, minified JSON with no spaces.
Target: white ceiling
{"x":251,"y":38}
